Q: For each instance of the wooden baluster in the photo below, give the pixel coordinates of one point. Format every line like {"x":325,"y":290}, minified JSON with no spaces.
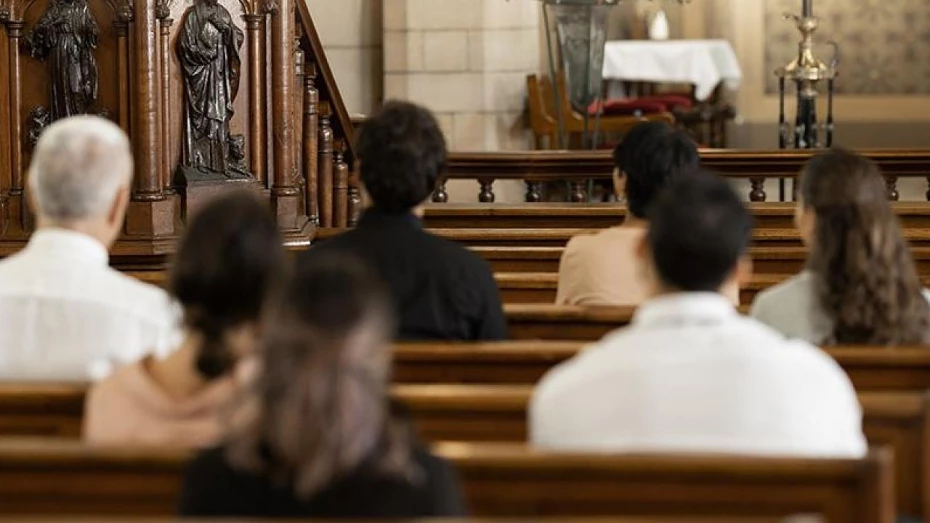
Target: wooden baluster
{"x":441,"y":196}
{"x":486,"y":195}
{"x":579,"y":192}
{"x":928,"y":188}
{"x":533,"y":192}
{"x":757,"y":194}
{"x":311,"y":144}
{"x":891,"y":184}
{"x":325,"y":169}
{"x":121,"y":25}
{"x":341,"y":187}
{"x":285,"y":196}
{"x":299,"y":72}
{"x":355,"y":197}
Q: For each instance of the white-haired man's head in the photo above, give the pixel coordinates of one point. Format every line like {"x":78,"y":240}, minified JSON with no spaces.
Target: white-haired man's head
{"x":80,"y":176}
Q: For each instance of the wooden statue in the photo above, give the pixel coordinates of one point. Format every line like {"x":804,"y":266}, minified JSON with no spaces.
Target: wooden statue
{"x":208,"y":53}
{"x":66,"y":37}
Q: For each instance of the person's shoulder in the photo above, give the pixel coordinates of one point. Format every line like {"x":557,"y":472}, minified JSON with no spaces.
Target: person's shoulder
{"x":451,"y":253}
{"x":132,"y":290}
{"x":787,"y":295}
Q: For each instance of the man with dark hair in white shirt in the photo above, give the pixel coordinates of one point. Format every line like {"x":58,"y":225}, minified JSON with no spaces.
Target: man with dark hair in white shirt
{"x":690,"y":374}
{"x":64,"y":313}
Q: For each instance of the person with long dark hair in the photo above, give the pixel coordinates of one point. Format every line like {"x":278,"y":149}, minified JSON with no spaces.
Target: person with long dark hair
{"x":229,"y":260}
{"x":318,"y":437}
{"x":860,"y":285}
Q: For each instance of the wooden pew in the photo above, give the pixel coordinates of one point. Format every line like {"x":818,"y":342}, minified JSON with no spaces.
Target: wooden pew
{"x":541,"y":287}
{"x":525,"y":362}
{"x":784,"y":261}
{"x":913,"y":215}
{"x":900,"y":420}
{"x":60,"y":477}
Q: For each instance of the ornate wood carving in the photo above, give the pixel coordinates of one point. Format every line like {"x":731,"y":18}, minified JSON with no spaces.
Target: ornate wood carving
{"x":208,"y":45}
{"x":66,"y":38}
{"x":148,"y":186}
{"x":163,"y":13}
{"x":283,"y":192}
{"x":14,"y":33}
{"x":355,"y":198}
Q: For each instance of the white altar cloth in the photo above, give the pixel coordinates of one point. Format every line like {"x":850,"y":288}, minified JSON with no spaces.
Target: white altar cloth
{"x":702,"y":63}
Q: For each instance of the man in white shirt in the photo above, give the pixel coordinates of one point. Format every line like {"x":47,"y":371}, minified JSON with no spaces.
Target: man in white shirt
{"x":690,"y":374}
{"x":64,"y":313}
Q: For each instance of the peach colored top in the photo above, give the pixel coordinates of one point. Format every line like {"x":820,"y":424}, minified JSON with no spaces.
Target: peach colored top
{"x":602,"y":269}
{"x":130,"y":408}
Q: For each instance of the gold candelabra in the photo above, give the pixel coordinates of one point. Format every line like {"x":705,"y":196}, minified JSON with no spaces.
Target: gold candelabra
{"x":807,"y":73}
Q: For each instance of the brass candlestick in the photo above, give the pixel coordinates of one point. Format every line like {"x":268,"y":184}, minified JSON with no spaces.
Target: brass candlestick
{"x":807,"y":73}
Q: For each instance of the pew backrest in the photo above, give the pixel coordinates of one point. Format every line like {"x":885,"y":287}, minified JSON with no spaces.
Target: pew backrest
{"x":56,"y":477}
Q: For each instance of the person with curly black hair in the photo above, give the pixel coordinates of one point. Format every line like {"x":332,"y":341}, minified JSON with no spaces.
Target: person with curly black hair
{"x":441,"y":290}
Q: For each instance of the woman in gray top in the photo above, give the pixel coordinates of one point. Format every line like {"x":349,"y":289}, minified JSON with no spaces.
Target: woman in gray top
{"x":860,"y":285}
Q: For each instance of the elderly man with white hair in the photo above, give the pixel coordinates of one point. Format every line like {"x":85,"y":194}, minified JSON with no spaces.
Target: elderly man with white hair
{"x":64,"y":313}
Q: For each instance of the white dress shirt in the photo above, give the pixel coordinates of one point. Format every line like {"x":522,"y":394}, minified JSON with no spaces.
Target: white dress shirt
{"x":65,"y":314}
{"x":791,"y":308}
{"x":692,"y":375}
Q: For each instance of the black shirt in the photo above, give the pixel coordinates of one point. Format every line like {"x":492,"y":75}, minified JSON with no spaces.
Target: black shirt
{"x":212,"y":488}
{"x":441,"y":290}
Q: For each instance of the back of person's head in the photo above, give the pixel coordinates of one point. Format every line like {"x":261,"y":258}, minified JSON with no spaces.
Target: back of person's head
{"x":866,"y":281}
{"x":229,"y":262}
{"x":402,"y":153}
{"x":699,"y":232}
{"x":650,"y":156}
{"x":79,"y":167}
{"x":322,"y":398}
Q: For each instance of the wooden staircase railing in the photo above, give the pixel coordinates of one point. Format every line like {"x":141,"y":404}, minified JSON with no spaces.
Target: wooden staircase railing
{"x":325,"y":133}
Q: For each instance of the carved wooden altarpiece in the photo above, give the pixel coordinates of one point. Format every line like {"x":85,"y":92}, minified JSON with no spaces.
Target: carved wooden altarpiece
{"x":288,"y":136}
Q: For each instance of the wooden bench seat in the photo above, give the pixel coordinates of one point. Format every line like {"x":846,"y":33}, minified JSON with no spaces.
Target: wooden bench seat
{"x":56,"y":477}
{"x":544,"y":321}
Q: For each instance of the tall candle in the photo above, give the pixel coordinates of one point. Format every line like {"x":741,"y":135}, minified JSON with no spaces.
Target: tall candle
{"x":808,"y":9}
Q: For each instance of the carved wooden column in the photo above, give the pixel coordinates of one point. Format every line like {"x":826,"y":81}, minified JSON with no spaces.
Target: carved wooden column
{"x":325,"y":168}
{"x":121,"y":26}
{"x":578,"y":192}
{"x":15,"y":32}
{"x":255,"y":23}
{"x":340,"y":187}
{"x":311,"y":135}
{"x":145,"y":128}
{"x":5,"y":145}
{"x":162,"y":13}
{"x":284,"y":194}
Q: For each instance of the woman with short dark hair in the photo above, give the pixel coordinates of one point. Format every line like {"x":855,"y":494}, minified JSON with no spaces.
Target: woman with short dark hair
{"x":860,"y":285}
{"x":318,"y":438}
{"x":229,"y":260}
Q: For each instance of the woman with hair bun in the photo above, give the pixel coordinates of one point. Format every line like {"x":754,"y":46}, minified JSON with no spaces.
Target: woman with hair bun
{"x":227,"y":264}
{"x":318,"y":436}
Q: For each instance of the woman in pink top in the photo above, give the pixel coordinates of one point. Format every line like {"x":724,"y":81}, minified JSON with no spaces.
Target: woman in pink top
{"x":228,"y":262}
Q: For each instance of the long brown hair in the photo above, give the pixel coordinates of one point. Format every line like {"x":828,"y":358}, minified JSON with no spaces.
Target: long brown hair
{"x":321,"y":404}
{"x":865,"y":278}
